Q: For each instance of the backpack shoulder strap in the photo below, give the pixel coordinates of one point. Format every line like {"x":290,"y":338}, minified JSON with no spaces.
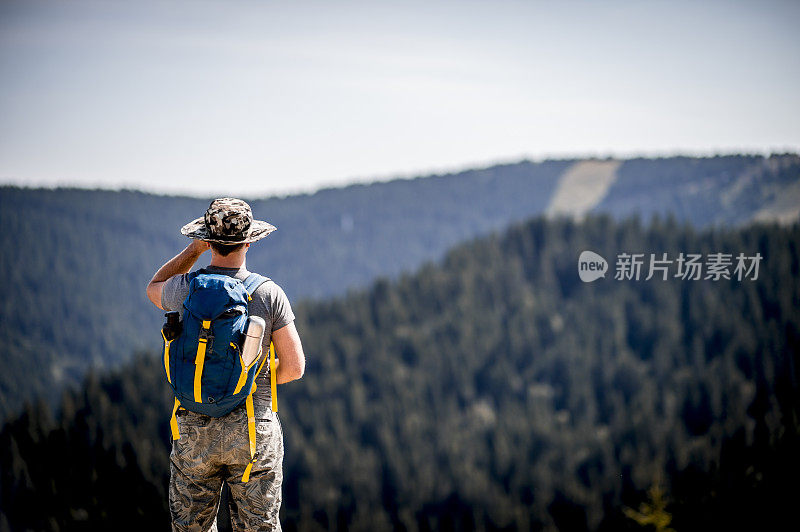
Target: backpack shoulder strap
{"x":192,"y":275}
{"x":252,"y":283}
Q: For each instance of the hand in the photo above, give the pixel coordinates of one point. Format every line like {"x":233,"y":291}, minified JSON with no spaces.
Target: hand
{"x":198,"y":247}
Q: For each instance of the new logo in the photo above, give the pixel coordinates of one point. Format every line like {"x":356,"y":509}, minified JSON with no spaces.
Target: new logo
{"x":591,"y":266}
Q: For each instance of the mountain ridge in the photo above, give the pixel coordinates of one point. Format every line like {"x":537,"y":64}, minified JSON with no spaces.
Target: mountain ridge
{"x":81,"y":258}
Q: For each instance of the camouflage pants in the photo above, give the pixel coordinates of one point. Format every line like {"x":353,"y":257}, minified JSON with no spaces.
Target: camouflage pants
{"x":211,"y":450}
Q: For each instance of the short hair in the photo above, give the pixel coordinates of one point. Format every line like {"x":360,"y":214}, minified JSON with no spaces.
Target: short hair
{"x":225,"y":249}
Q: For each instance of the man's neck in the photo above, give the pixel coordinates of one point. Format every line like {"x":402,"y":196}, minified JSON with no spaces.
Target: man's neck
{"x":234,"y":261}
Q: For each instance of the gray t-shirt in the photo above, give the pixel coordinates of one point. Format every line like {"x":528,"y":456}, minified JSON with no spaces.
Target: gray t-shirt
{"x":269,"y":302}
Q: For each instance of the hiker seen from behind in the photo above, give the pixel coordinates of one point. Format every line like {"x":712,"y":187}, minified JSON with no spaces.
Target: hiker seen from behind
{"x":229,"y":339}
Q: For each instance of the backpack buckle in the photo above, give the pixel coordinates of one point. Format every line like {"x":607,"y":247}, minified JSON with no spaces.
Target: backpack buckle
{"x":207,"y":337}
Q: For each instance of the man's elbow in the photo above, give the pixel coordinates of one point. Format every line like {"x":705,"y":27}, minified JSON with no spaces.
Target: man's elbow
{"x":154,"y":294}
{"x":296,"y":370}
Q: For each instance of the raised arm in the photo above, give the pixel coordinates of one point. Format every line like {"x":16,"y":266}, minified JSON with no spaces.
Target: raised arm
{"x":291,"y":361}
{"x":180,"y":263}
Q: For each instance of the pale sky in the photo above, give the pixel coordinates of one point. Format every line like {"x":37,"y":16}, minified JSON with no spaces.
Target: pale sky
{"x":262,"y":98}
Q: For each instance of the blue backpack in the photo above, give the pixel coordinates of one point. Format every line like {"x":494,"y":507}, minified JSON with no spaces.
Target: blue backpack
{"x":203,"y":362}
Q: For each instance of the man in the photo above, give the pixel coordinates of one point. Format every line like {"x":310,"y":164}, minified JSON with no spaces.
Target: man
{"x":212,"y":450}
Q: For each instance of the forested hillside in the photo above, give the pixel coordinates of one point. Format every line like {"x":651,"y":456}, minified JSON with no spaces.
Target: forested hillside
{"x":76,"y":261}
{"x":493,"y":391}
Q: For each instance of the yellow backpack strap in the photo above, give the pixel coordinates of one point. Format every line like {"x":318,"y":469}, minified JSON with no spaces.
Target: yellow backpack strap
{"x":243,"y":375}
{"x":173,"y":422}
{"x":251,"y":416}
{"x":251,"y":431}
{"x":199,"y":360}
{"x":166,"y":356}
{"x":273,"y":379}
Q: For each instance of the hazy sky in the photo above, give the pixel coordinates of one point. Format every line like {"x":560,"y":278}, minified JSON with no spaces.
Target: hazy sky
{"x":263,"y":98}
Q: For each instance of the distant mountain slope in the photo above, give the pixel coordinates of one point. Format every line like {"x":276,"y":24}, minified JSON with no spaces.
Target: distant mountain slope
{"x":77,"y":261}
{"x":345,"y":237}
{"x":718,"y":190}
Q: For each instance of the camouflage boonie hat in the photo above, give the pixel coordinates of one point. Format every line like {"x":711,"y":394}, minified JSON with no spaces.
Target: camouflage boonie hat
{"x":228,"y":221}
